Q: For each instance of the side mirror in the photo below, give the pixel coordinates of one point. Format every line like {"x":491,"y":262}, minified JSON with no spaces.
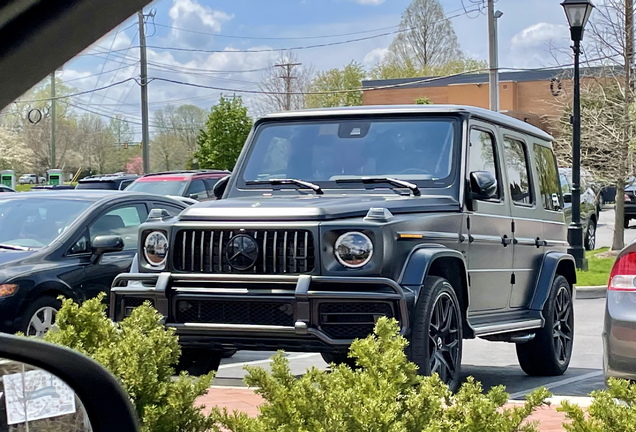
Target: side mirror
{"x":194,"y":196}
{"x":483,"y":185}
{"x":106,"y":244}
{"x":219,"y":187}
{"x":73,"y":387}
{"x":567,"y":198}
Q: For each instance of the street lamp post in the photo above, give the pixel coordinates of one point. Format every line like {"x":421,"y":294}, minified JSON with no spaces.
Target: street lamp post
{"x":577,"y":12}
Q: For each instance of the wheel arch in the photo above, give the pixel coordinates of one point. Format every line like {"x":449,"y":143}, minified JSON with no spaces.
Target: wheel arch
{"x":554,"y":264}
{"x":47,"y":288}
{"x":442,"y":262}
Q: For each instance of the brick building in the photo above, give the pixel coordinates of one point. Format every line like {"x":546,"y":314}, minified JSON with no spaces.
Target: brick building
{"x":536,"y":97}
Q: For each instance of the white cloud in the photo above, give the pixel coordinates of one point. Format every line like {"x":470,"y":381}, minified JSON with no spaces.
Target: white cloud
{"x":189,"y":13}
{"x":538,"y":34}
{"x":374,"y":56}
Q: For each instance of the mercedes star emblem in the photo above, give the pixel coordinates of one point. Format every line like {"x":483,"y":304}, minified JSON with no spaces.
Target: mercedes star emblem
{"x":242,"y":252}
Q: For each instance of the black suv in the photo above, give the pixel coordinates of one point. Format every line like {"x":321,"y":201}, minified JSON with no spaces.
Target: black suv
{"x":117,"y":181}
{"x":446,"y":218}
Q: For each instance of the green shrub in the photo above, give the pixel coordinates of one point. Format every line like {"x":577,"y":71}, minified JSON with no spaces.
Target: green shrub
{"x":384,"y":393}
{"x":612,"y":410}
{"x":140,"y":352}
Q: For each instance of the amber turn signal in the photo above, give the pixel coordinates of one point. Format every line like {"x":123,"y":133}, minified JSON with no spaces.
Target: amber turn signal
{"x":8,"y":289}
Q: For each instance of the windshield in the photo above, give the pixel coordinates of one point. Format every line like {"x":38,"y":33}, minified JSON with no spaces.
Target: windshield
{"x":159,"y":187}
{"x":109,"y":185}
{"x":416,"y":150}
{"x":35,"y":223}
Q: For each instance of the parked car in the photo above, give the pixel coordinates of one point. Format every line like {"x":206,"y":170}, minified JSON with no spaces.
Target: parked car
{"x":119,"y":181}
{"x":31,"y":179}
{"x":195,"y":184}
{"x":52,"y":187}
{"x":4,"y":188}
{"x":335,"y":217}
{"x":70,"y":243}
{"x":619,"y":330}
{"x":630,"y":201}
{"x":589,"y":206}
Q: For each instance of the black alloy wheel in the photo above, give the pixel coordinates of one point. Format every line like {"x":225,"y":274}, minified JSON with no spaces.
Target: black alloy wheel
{"x":590,"y":235}
{"x":436,"y":336}
{"x":563,"y":325}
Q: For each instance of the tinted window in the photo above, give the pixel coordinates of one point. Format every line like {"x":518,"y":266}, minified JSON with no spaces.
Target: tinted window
{"x":197,"y":187}
{"x":517,"y":169}
{"x":209,"y":184}
{"x":123,"y":222}
{"x":172,"y":210}
{"x":482,"y":156}
{"x":124,"y":184}
{"x":37,"y":222}
{"x":549,"y":192}
{"x":159,"y":186}
{"x":108,"y":185}
{"x":327,"y":151}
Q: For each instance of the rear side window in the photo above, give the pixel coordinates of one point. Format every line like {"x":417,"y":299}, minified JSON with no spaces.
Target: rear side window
{"x":482,"y":155}
{"x":549,"y":191}
{"x":517,"y":169}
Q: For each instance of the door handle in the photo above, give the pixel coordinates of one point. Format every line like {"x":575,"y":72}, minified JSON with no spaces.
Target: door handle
{"x":506,"y":241}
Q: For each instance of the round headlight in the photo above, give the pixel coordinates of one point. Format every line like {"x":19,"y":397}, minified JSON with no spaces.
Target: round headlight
{"x":156,"y":248}
{"x":353,"y":249}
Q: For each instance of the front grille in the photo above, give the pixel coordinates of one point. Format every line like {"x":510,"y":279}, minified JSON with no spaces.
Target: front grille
{"x":137,"y":301}
{"x":351,"y":320}
{"x":234,"y":312}
{"x":279,"y":251}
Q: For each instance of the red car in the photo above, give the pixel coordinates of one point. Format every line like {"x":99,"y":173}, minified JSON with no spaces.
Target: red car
{"x":196,"y":184}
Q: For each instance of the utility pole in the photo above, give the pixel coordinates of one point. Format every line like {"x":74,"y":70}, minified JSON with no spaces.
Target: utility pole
{"x":493,"y":51}
{"x":145,"y":139}
{"x":287,"y":77}
{"x":53,"y":164}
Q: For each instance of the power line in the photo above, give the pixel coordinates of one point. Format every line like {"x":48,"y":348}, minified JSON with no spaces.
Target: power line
{"x":112,"y":43}
{"x":80,"y":93}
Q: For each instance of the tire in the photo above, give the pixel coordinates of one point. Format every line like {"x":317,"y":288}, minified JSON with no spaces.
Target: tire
{"x":198,"y":361}
{"x":40,"y":316}
{"x":228,"y":353}
{"x":338,"y":358}
{"x":549,"y":353}
{"x":436,"y":336}
{"x":626,"y":223}
{"x":590,"y":235}
{"x":31,"y":182}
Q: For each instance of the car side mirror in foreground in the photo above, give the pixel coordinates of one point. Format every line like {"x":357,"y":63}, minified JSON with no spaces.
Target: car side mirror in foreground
{"x":106,"y":244}
{"x":48,"y":387}
{"x":483,"y":185}
{"x":219,"y":187}
{"x":567,"y":197}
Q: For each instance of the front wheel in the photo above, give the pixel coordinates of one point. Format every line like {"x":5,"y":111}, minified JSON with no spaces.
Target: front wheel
{"x":436,"y":336}
{"x":549,"y":353}
{"x":40,"y":317}
{"x":199,"y":361}
{"x":590,"y":235}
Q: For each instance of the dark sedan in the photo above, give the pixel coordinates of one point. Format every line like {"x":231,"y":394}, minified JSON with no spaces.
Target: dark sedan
{"x":619,"y":331}
{"x":71,"y":243}
{"x":590,"y":206}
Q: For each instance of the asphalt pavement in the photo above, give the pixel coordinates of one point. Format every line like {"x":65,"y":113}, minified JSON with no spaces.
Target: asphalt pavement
{"x":605,"y":229}
{"x":492,"y":363}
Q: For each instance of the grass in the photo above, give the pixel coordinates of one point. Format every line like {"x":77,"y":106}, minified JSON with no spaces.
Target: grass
{"x":598,"y":269}
{"x":27,"y":187}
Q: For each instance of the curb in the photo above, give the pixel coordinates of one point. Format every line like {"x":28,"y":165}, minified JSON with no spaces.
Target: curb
{"x":590,"y":292}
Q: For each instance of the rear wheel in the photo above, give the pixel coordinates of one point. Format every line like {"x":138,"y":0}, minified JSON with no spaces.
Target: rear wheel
{"x":549,"y":353}
{"x":197,"y":361}
{"x":590,"y":235}
{"x":436,"y":336}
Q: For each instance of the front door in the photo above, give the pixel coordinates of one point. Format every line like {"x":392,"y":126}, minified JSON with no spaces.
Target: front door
{"x":527,"y":223}
{"x":489,"y":227}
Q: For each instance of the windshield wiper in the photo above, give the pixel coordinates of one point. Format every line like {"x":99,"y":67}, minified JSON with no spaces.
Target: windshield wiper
{"x":12,"y":247}
{"x":392,"y":181}
{"x":301,"y":184}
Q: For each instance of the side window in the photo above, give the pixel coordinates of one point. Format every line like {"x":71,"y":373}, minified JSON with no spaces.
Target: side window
{"x":209,"y":185}
{"x":172,"y":210}
{"x":125,"y":184}
{"x":549,"y":191}
{"x":197,"y":187}
{"x":482,"y":156}
{"x":517,"y":169}
{"x":123,"y":222}
{"x":565,"y":185}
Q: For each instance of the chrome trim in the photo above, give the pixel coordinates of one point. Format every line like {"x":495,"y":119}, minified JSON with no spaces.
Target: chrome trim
{"x":220,"y":252}
{"x":485,"y":238}
{"x":194,"y":238}
{"x":518,"y":218}
{"x":235,"y":328}
{"x":285,"y":252}
{"x":183,"y":249}
{"x":265,"y":252}
{"x":429,"y":235}
{"x":275,"y":250}
{"x":212,"y":250}
{"x":498,"y":328}
{"x":294,"y":259}
{"x":201,"y":250}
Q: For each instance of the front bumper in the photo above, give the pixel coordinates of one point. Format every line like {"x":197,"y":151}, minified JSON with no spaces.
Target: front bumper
{"x":619,"y":335}
{"x":295,"y":313}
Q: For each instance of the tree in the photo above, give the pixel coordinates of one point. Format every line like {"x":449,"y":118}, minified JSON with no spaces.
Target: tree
{"x":274,"y":87}
{"x":344,"y":83}
{"x":13,"y":152}
{"x":390,"y":68}
{"x":225,"y":132}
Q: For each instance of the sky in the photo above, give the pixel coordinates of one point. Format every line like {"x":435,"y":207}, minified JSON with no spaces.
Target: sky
{"x":243,"y":38}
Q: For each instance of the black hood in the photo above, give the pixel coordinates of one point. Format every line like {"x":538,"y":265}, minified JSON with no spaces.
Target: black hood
{"x":9,"y":258}
{"x":313,"y":207}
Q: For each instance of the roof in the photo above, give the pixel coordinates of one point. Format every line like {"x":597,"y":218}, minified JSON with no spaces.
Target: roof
{"x":415,"y":109}
{"x":481,"y":78}
{"x":183,"y":174}
{"x":107,"y":177}
{"x":86,"y":194}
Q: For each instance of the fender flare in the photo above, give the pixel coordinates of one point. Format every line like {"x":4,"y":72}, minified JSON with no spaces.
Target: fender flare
{"x":552,"y":262}
{"x":419,"y":263}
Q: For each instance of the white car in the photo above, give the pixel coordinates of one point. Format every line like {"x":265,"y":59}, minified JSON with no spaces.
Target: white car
{"x":31,"y":179}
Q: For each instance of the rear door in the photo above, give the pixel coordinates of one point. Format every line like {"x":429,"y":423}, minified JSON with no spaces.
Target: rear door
{"x":527,"y":225}
{"x":490,"y":236}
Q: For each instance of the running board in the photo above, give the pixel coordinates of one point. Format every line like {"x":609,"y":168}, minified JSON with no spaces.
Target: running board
{"x":507,"y":327}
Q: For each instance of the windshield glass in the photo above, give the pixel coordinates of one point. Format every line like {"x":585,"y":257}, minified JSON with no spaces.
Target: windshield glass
{"x":418,"y":150}
{"x":35,"y":223}
{"x":109,"y":185}
{"x":159,"y":187}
